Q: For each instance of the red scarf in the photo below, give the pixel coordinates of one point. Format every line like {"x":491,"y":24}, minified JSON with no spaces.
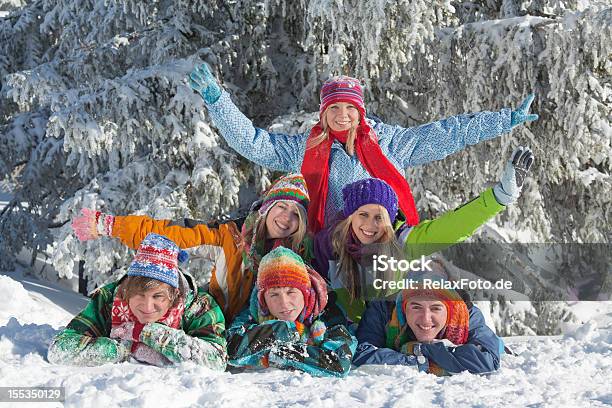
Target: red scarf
{"x":121,"y":313}
{"x":315,"y":169}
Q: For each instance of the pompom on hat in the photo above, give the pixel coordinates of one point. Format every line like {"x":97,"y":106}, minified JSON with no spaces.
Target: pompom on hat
{"x":369,"y":191}
{"x":158,"y":258}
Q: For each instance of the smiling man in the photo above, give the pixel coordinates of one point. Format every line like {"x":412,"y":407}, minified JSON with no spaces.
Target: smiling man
{"x":435,"y":330}
{"x":155,"y":315}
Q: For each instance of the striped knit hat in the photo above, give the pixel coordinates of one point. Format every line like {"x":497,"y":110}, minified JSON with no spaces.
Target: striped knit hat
{"x":282,"y":267}
{"x":342,"y":89}
{"x":158,"y":258}
{"x":291,"y":187}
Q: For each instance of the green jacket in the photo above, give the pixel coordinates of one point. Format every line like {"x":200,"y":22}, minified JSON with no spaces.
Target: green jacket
{"x":424,"y":239}
{"x":200,"y":339}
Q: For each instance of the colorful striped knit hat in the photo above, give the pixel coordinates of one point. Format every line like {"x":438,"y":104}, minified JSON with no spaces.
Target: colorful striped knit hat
{"x":158,"y":258}
{"x":282,"y":267}
{"x":369,"y":191}
{"x":291,"y":187}
{"x":342,"y":89}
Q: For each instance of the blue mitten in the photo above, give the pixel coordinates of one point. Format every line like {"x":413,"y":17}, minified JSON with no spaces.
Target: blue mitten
{"x":522,"y":113}
{"x":509,"y":187}
{"x":203,"y":82}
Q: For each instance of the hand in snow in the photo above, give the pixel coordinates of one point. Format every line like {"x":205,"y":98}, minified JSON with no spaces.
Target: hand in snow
{"x":129,"y":331}
{"x":511,"y":183}
{"x":91,"y":224}
{"x":522,"y":113}
{"x":203,"y":82}
{"x":146,"y":354}
{"x":408,"y":348}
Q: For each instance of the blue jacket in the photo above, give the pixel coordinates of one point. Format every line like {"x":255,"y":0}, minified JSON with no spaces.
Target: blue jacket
{"x":404,"y":147}
{"x":481,"y":353}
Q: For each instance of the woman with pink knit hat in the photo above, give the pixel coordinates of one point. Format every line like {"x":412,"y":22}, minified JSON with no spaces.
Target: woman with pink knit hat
{"x":344,"y":146}
{"x":278,"y":218}
{"x":291,"y":323}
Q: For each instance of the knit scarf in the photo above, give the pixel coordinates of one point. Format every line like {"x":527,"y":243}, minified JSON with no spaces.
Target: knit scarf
{"x":456,"y":329}
{"x":315,"y":169}
{"x":121,"y":313}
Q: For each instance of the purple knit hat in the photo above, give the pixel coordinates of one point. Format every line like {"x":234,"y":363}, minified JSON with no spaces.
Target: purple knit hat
{"x":369,"y":191}
{"x":342,"y":89}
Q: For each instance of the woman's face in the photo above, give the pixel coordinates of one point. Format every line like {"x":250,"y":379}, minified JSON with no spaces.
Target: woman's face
{"x":426,"y":317}
{"x":285,"y":303}
{"x":152,"y":305}
{"x":283,"y":219}
{"x":342,"y":116}
{"x":368,"y":223}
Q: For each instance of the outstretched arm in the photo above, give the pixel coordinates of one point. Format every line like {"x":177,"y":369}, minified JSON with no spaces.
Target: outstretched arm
{"x":132,"y":229}
{"x":455,"y":226}
{"x":410,"y":147}
{"x":275,"y":151}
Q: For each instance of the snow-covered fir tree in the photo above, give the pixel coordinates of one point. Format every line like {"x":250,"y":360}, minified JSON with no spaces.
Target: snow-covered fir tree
{"x":95,"y":110}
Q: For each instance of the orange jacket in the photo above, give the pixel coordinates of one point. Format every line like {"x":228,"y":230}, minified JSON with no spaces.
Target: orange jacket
{"x":230,"y":283}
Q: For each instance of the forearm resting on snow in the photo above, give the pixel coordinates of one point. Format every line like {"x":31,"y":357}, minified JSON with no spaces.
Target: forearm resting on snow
{"x":179,"y":347}
{"x":332,"y":358}
{"x":73,"y":348}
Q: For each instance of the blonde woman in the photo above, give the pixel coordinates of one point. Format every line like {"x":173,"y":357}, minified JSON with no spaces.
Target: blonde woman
{"x":344,"y":146}
{"x":280,"y":219}
{"x":345,"y":250}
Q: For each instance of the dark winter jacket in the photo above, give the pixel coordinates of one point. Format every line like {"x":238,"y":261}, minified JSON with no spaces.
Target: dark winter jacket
{"x":481,"y":353}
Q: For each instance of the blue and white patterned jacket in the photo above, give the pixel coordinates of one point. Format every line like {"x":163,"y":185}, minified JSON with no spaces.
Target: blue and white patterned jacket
{"x":404,"y":147}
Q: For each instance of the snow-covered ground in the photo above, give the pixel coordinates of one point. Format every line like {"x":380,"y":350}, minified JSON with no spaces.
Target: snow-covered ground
{"x":563,"y":371}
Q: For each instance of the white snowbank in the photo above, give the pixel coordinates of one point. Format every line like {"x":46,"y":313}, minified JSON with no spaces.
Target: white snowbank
{"x":570,"y":370}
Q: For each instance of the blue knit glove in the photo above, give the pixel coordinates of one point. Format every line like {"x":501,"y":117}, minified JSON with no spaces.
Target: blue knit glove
{"x":203,"y":82}
{"x":522,"y":113}
{"x":509,"y":188}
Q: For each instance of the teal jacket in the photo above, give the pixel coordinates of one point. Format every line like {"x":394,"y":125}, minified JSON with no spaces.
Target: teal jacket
{"x":323,"y":349}
{"x":424,"y":239}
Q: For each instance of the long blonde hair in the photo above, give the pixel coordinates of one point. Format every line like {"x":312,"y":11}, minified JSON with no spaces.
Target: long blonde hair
{"x":350,"y":140}
{"x":294,"y":240}
{"x":348,"y":268}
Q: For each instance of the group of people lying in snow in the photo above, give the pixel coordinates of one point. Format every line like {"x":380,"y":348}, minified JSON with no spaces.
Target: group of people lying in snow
{"x":290,"y":288}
